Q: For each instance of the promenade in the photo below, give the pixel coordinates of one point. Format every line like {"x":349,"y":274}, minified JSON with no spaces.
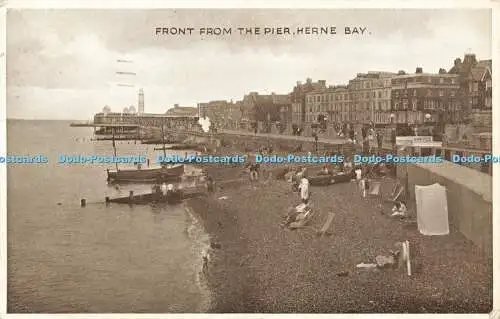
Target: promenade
{"x":332,"y":141}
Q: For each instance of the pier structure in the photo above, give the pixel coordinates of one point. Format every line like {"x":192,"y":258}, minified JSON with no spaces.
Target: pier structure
{"x":138,"y":126}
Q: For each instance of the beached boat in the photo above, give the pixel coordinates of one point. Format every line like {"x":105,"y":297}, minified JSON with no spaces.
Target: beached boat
{"x":173,"y":197}
{"x":322,"y":180}
{"x":164,"y":173}
{"x":145,"y":175}
{"x":157,"y":141}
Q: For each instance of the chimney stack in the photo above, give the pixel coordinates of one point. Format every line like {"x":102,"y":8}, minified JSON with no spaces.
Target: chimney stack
{"x":470,"y":59}
{"x":419,"y":70}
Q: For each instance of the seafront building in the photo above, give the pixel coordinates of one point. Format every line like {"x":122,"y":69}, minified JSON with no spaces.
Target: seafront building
{"x":453,"y":106}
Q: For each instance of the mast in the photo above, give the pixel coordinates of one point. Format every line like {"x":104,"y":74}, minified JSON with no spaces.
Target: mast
{"x":163,"y":139}
{"x":114,"y":148}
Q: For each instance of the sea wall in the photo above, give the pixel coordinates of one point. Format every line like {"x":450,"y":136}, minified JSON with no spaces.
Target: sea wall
{"x":469,"y":196}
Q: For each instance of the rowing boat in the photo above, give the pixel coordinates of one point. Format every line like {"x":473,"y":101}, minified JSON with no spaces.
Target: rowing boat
{"x":172,"y":197}
{"x":162,"y":174}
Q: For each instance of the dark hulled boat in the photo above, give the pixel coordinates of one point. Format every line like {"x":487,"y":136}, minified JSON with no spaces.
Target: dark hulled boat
{"x":328,"y":179}
{"x":146,"y":175}
{"x":164,"y":173}
{"x":172,"y":197}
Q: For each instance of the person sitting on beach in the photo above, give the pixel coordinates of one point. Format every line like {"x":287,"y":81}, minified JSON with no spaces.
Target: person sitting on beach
{"x":294,"y":212}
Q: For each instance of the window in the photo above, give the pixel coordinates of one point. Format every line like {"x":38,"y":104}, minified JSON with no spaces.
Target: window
{"x":379,"y":94}
{"x":475,"y":87}
{"x":452,"y":93}
{"x":429,"y":93}
{"x":441,"y":80}
{"x":414,"y":106}
{"x":441,"y":93}
{"x":453,"y":81}
{"x":414,"y":92}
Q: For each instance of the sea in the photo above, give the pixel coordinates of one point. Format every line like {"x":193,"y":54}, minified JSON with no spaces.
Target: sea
{"x":64,"y":258}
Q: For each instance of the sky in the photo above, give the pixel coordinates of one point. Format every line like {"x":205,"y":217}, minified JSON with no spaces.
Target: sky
{"x":62,"y":64}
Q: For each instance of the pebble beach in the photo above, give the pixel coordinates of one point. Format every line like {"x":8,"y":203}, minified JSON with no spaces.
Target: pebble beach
{"x":257,"y":266}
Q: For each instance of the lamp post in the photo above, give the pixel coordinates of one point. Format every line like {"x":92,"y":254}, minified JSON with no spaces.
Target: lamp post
{"x":393,"y":132}
{"x":314,"y":128}
{"x":268,"y":128}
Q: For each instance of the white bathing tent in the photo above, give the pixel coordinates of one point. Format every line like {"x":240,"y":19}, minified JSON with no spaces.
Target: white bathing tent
{"x":432,"y":210}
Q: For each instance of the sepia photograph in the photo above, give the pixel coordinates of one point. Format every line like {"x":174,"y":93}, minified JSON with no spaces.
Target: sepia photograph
{"x":257,"y":160}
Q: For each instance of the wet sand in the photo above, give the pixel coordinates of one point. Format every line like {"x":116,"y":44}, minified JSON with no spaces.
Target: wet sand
{"x":261,"y":267}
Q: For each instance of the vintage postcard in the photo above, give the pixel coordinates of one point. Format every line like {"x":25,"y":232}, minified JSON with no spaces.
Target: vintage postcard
{"x":257,"y":159}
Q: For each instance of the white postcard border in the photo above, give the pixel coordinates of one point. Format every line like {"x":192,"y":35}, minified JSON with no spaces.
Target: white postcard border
{"x":289,"y":4}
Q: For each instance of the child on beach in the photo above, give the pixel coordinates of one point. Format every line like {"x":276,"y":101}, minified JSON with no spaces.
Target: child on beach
{"x":304,"y":190}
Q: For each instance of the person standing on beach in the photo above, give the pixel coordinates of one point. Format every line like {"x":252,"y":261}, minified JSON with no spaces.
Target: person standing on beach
{"x":210,"y":185}
{"x":304,"y":190}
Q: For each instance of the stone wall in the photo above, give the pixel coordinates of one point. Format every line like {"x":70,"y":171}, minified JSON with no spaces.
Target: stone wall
{"x":469,"y":198}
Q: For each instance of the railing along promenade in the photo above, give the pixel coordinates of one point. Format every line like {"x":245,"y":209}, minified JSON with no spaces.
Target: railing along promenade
{"x":444,"y":152}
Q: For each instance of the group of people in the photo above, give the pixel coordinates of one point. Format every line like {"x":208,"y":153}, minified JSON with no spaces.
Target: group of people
{"x":164,"y":189}
{"x":371,"y":138}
